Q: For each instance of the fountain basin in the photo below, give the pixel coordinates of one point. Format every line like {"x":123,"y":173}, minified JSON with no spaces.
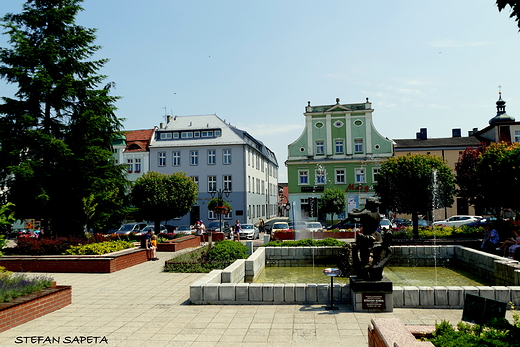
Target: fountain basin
{"x":228,"y":286}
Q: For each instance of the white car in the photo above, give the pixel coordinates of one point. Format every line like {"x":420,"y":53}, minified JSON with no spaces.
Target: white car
{"x":313,"y":226}
{"x":249,"y":232}
{"x":385,"y":224}
{"x":458,"y":221}
{"x":185,"y":229}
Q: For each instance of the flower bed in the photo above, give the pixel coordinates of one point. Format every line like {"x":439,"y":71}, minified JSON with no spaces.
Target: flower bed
{"x":105,"y":263}
{"x":34,"y":305}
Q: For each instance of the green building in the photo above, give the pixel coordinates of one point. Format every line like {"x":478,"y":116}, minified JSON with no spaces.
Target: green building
{"x":339,"y":147}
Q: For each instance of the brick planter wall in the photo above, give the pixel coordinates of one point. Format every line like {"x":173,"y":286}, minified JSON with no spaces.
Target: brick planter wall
{"x":180,"y":243}
{"x":34,"y":305}
{"x":216,"y":236}
{"x":76,"y":263}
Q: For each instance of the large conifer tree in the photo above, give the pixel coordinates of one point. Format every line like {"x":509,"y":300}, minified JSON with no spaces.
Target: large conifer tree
{"x":56,"y":132}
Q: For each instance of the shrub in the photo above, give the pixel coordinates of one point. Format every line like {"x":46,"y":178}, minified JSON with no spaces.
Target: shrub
{"x":44,"y":246}
{"x":13,"y":286}
{"x":498,"y":332}
{"x":99,"y":248}
{"x":329,"y":241}
{"x":227,"y":251}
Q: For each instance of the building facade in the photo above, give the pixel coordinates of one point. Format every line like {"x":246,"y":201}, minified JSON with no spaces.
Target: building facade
{"x":221,"y":159}
{"x":339,"y":147}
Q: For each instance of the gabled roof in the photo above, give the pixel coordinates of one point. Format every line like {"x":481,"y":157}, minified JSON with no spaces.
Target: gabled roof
{"x":436,"y":143}
{"x":138,"y":140}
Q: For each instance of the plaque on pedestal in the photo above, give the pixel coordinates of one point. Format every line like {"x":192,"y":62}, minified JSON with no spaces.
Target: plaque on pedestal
{"x":372,"y":296}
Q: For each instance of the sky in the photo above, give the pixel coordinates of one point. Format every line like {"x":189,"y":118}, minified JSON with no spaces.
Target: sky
{"x":255,"y":64}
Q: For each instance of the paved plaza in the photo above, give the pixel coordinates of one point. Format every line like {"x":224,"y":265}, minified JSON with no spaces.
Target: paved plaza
{"x":142,"y":306}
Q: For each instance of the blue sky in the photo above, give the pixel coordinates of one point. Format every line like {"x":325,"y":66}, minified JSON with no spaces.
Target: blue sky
{"x":434,"y":64}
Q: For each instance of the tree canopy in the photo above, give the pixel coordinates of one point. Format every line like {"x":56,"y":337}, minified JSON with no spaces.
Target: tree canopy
{"x":483,"y":175}
{"x":515,"y":9}
{"x":56,"y":132}
{"x":161,"y":197}
{"x":415,"y":184}
{"x":333,"y":202}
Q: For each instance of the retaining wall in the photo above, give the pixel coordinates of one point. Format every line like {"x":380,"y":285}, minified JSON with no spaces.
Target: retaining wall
{"x":179,"y":243}
{"x":105,"y":263}
{"x":34,"y":305}
{"x":211,"y":289}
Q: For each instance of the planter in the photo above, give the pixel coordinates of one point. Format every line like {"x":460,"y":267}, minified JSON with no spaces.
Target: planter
{"x":105,"y":263}
{"x":34,"y":305}
{"x":175,"y":245}
{"x":215,"y":236}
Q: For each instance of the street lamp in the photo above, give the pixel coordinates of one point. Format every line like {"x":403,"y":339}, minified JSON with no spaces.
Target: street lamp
{"x":219,"y":193}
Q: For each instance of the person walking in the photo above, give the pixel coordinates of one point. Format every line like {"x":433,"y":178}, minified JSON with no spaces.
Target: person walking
{"x":237,"y":228}
{"x":261,"y":225}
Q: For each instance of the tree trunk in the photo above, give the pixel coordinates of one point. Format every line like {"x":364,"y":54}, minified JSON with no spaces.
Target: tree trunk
{"x":415,"y":223}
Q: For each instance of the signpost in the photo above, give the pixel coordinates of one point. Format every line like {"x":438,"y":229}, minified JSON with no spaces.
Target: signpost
{"x":332,"y":272}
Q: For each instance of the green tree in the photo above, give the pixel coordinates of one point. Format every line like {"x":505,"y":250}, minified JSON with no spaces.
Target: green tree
{"x":333,"y":202}
{"x":56,"y":132}
{"x":484,"y":173}
{"x":515,"y":9}
{"x":415,"y":184}
{"x":160,"y":197}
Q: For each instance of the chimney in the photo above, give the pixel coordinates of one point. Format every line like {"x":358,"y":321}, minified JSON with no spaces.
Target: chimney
{"x":455,"y":133}
{"x":161,"y":125}
{"x":422,"y":134}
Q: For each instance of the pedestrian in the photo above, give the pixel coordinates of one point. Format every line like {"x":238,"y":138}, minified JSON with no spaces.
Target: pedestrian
{"x":491,"y":238}
{"x":237,"y":228}
{"x":153,"y":247}
{"x":261,"y":225}
{"x":200,"y":227}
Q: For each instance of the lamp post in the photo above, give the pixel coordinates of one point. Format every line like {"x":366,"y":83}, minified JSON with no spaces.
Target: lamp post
{"x":218,"y":193}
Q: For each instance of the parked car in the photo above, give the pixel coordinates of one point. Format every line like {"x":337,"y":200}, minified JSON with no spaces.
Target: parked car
{"x":423,"y":223}
{"x":151,"y":226}
{"x":131,"y":228}
{"x":170,"y":229}
{"x":402,"y":222}
{"x":385,"y":224}
{"x":216,"y":226}
{"x":280,"y":226}
{"x":249,"y":232}
{"x":184,"y":229}
{"x":313,"y":226}
{"x":344,"y":225}
{"x":458,"y":221}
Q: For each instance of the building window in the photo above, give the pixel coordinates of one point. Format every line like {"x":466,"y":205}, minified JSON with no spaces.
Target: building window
{"x":227,"y":182}
{"x":226,"y":156}
{"x":187,"y":135}
{"x":166,"y":136}
{"x":375,"y":172}
{"x":339,"y":146}
{"x":162,"y":158}
{"x":175,"y":135}
{"x":517,"y":135}
{"x":257,"y":186}
{"x":196,"y":134}
{"x":360,"y":175}
{"x":212,"y":184}
{"x":320,"y":176}
{"x":137,"y":167}
{"x":211,"y":214}
{"x":212,"y":157}
{"x":303,"y":177}
{"x":358,"y":146}
{"x":320,"y":147}
{"x":340,"y":176}
{"x":130,"y":164}
{"x":176,"y":158}
{"x":196,"y":181}
{"x":194,"y":157}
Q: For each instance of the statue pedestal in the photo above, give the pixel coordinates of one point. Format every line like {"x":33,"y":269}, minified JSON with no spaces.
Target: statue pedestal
{"x":372,"y":296}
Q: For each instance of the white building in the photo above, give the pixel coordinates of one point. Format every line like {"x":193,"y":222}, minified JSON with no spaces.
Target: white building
{"x":219,"y":157}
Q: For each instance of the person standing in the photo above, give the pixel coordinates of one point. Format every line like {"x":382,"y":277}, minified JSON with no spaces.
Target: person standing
{"x":153,"y":247}
{"x":237,"y":228}
{"x":261,"y":225}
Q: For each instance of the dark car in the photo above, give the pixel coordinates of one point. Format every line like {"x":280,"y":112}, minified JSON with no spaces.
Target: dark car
{"x":402,"y":222}
{"x":215,"y":226}
{"x":344,"y":224}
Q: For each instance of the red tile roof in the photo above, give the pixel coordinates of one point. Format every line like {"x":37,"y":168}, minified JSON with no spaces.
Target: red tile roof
{"x":138,"y":140}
